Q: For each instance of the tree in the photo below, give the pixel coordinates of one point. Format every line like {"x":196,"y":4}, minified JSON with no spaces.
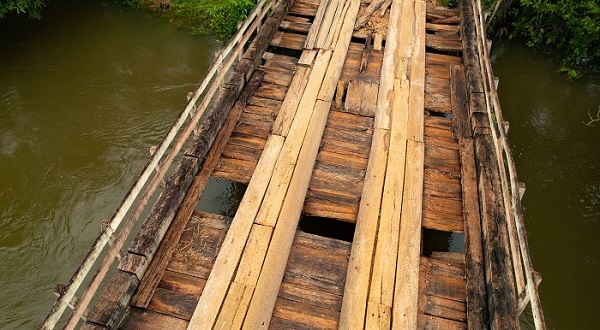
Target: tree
{"x":570,"y":29}
{"x":29,"y":7}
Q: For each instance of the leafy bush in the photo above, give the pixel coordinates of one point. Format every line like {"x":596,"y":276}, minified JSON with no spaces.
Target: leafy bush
{"x":568,"y":28}
{"x":29,"y":7}
{"x":219,"y":17}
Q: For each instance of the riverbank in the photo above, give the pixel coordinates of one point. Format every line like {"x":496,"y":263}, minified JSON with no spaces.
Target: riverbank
{"x":216,"y":17}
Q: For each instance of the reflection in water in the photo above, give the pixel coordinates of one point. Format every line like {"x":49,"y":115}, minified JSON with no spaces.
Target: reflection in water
{"x":557,"y":157}
{"x":84,"y":93}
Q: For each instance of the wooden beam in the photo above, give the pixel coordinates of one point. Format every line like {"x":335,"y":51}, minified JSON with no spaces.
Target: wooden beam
{"x":407,"y":273}
{"x":230,"y":253}
{"x":477,"y":311}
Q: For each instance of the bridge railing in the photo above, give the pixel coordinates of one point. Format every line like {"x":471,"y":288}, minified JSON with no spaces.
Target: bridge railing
{"x":117,"y":230}
{"x":526,"y":279}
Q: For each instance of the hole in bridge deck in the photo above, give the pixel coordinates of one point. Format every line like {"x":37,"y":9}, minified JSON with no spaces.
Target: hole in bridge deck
{"x":442,"y":241}
{"x":327,"y":227}
{"x":221,"y":196}
{"x":284,"y":51}
{"x":439,"y":114}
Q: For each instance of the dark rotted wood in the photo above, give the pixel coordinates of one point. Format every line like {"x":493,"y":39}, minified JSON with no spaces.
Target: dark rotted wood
{"x":356,"y":163}
{"x":442,"y":159}
{"x":235,"y":169}
{"x":351,"y":69}
{"x":134,"y":263}
{"x":480,"y":123}
{"x":269,"y":113}
{"x":283,"y":324}
{"x":182,"y":283}
{"x":295,"y":24}
{"x":309,"y":296}
{"x":91,"y":326}
{"x":430,"y":27}
{"x":313,"y":316}
{"x":265,"y":103}
{"x":439,"y":122}
{"x":318,"y":263}
{"x":471,"y":58}
{"x":433,"y":322}
{"x":154,"y":227}
{"x":271,"y":91}
{"x":149,"y":320}
{"x":289,"y":40}
{"x":441,"y":185}
{"x":476,"y":301}
{"x":247,"y":141}
{"x":199,"y":245}
{"x":444,"y":41}
{"x":173,"y":303}
{"x":165,"y":251}
{"x":442,"y":221}
{"x":321,"y":207}
{"x":445,"y":308}
{"x":278,"y":77}
{"x":351,"y":122}
{"x":304,"y":8}
{"x":456,"y":258}
{"x":499,"y":275}
{"x":261,"y":42}
{"x":459,"y":101}
{"x":114,"y":302}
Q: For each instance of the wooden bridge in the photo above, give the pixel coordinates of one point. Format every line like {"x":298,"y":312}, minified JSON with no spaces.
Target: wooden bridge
{"x":364,"y":130}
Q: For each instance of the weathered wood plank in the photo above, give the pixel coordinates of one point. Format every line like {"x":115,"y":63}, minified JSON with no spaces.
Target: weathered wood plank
{"x":226,"y":263}
{"x":145,"y":319}
{"x":407,"y":273}
{"x":113,"y":303}
{"x":460,"y":111}
{"x":477,"y":311}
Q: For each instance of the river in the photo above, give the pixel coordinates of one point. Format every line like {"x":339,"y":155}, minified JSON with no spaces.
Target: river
{"x":85,"y":92}
{"x":557,"y":157}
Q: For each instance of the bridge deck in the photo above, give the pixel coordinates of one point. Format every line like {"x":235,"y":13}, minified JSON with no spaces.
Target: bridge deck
{"x":355,"y":171}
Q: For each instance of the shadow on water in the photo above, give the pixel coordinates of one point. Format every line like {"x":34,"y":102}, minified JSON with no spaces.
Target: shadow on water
{"x":84,"y":93}
{"x":557,"y":156}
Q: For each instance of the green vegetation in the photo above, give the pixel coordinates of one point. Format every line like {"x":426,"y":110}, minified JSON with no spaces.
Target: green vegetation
{"x":29,"y":7}
{"x":567,"y":29}
{"x":220,"y":17}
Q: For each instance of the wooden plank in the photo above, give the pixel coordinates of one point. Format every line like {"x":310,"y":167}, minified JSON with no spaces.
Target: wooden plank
{"x":313,"y":32}
{"x":445,"y":308}
{"x":312,"y":316}
{"x":261,"y":307}
{"x":499,"y":274}
{"x":476,"y":299}
{"x":166,"y":249}
{"x":460,"y":111}
{"x":417,"y":75}
{"x":113,"y":303}
{"x":238,"y":298}
{"x":145,"y":319}
{"x":359,"y":266}
{"x":171,"y":303}
{"x":197,"y":249}
{"x":407,"y":273}
{"x":381,"y":291}
{"x":310,"y":296}
{"x":307,"y":57}
{"x":388,"y":69}
{"x":286,"y":163}
{"x":292,"y":100}
{"x":433,"y":322}
{"x":289,"y":40}
{"x":182,"y":283}
{"x":227,"y":261}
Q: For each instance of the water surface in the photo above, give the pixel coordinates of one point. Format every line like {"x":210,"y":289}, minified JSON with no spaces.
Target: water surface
{"x":558,"y":157}
{"x":84,"y":94}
